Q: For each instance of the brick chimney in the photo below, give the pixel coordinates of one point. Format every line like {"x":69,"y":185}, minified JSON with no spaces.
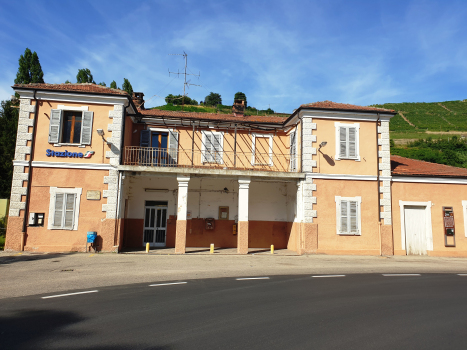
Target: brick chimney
{"x":138,"y":99}
{"x":238,"y":108}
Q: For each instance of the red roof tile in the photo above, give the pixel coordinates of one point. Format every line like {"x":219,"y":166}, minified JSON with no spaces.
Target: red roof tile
{"x":212,"y":116}
{"x":87,"y":87}
{"x":344,"y":107}
{"x":410,"y":167}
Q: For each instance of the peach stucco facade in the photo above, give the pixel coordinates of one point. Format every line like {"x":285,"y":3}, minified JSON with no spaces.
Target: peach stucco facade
{"x":317,"y":182}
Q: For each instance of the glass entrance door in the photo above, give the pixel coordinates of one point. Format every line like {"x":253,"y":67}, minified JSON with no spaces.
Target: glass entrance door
{"x":155,"y":223}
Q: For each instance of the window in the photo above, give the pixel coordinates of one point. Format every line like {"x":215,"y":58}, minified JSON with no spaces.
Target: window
{"x":348,"y":215}
{"x":347,"y":141}
{"x":71,"y":127}
{"x":213,"y":147}
{"x":293,"y":151}
{"x":64,"y":208}
{"x":162,"y":147}
{"x":262,"y":150}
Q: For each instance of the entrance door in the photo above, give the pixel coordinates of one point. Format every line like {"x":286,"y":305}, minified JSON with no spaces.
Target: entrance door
{"x":415,"y":230}
{"x":155,"y":223}
{"x":159,"y":142}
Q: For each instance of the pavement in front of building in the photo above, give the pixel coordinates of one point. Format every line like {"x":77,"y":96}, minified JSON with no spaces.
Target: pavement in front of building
{"x":26,"y":273}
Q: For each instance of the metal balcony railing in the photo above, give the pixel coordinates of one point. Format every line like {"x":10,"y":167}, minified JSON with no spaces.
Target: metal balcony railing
{"x":195,"y":158}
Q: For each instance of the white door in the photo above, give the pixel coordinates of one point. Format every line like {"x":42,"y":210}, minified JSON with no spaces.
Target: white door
{"x":155,"y":224}
{"x":415,"y":230}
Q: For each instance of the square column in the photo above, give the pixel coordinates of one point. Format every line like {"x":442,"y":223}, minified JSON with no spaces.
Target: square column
{"x":242,"y":236}
{"x":182,"y":204}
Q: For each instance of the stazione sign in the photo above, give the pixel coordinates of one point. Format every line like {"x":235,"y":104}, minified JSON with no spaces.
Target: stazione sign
{"x":66,"y":154}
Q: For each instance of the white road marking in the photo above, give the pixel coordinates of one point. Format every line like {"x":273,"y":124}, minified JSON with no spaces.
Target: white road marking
{"x":329,"y":276}
{"x":462,"y":274}
{"x":400,"y":274}
{"x":65,"y":295}
{"x":166,"y":284}
{"x":252,"y":278}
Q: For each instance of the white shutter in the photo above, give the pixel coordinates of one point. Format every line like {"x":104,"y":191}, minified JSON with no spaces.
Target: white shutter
{"x":217,"y":147}
{"x":352,"y":142}
{"x":207,"y":154}
{"x":353,"y":216}
{"x":342,"y":142}
{"x":69,"y":211}
{"x":86,"y":128}
{"x":58,"y":211}
{"x":293,"y":151}
{"x":55,"y":125}
{"x":173,"y":147}
{"x":344,"y":217}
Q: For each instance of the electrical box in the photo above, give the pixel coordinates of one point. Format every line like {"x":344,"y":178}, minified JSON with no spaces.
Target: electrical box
{"x":209,"y":223}
{"x":449,"y":227}
{"x":234,"y":229}
{"x":36,"y":219}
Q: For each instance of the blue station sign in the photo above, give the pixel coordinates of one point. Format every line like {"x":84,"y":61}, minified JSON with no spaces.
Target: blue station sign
{"x":66,"y":154}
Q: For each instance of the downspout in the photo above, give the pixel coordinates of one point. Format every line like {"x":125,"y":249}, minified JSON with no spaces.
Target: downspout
{"x":377,"y":183}
{"x":28,"y":191}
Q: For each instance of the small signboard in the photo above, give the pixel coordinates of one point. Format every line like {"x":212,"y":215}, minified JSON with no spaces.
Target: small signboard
{"x":93,"y":195}
{"x":449,"y":228}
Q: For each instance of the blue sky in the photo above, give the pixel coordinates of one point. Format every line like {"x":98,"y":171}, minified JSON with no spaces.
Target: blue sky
{"x":279,"y":53}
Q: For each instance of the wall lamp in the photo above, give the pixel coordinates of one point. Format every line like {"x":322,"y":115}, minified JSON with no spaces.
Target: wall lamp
{"x":322,"y":144}
{"x":100,"y":132}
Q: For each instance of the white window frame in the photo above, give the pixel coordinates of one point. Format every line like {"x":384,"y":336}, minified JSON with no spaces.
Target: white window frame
{"x":64,"y":109}
{"x":337,"y":126}
{"x":53,"y":193}
{"x":428,"y":227}
{"x":253,"y":148}
{"x":203,"y":147}
{"x":464,"y":210}
{"x":339,"y":200}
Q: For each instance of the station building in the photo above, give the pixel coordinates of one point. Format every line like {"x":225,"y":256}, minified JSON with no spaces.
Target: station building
{"x":92,"y":158}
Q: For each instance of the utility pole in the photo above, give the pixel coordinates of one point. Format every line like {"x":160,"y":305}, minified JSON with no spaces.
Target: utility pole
{"x":186,"y":84}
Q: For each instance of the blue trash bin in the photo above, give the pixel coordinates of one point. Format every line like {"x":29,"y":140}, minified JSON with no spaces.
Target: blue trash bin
{"x":91,"y":236}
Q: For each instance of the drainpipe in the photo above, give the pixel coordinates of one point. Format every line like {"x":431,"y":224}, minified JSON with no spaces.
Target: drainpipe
{"x":28,"y":191}
{"x":377,"y":183}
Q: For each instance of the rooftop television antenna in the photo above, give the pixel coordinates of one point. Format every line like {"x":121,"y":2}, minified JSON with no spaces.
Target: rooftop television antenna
{"x":186,"y":84}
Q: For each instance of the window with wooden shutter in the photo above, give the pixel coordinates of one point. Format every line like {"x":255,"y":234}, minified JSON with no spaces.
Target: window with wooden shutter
{"x":55,"y":125}
{"x":70,"y":126}
{"x":173,"y":147}
{"x":348,"y":216}
{"x":347,"y":138}
{"x":213,"y":147}
{"x":86,"y":129}
{"x":293,"y":151}
{"x":64,"y":208}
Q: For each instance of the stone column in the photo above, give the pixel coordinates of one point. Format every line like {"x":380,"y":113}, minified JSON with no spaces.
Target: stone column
{"x":182,"y":204}
{"x":242,"y":236}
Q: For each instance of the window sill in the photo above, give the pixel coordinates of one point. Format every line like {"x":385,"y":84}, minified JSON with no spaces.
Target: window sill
{"x":357,"y":159}
{"x":69,"y":145}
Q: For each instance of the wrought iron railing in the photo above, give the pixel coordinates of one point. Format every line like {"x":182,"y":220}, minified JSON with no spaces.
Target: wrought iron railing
{"x":195,"y":158}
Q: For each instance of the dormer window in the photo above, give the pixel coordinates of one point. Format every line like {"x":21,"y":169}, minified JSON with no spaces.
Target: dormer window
{"x":70,"y":127}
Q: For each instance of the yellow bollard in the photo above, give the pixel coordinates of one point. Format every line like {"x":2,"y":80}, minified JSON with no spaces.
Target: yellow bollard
{"x":212,"y":248}
{"x":272,"y":248}
{"x":147,"y":247}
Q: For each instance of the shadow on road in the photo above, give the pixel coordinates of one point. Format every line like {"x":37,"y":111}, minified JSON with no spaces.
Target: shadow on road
{"x":47,"y":329}
{"x":30,"y":257}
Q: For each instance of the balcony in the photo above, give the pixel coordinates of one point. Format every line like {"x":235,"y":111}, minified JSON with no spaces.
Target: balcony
{"x":195,"y":158}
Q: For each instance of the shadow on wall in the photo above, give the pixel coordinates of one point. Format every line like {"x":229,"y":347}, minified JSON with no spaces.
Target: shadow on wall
{"x":329,"y":160}
{"x":42,"y":329}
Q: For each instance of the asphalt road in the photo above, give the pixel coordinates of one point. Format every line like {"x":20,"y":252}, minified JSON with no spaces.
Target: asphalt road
{"x":360,"y":311}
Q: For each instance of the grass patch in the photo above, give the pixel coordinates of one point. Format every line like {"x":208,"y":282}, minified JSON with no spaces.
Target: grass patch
{"x":2,"y":233}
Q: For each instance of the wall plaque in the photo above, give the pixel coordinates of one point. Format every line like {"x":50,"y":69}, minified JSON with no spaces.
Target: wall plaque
{"x":93,"y":195}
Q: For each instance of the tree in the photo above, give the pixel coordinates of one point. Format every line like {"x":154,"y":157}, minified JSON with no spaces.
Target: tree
{"x":102,"y":84}
{"x":84,"y":76}
{"x":240,"y":96}
{"x":29,"y":70}
{"x":127,"y":86}
{"x":67,"y":82}
{"x":8,"y":128}
{"x":178,"y":100}
{"x":113,"y":85}
{"x":213,"y":99}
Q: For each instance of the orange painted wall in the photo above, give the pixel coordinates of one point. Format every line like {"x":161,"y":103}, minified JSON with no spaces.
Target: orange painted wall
{"x":100,"y":121}
{"x":328,"y":239}
{"x":91,"y":217}
{"x":440,"y":195}
{"x":326,"y":162}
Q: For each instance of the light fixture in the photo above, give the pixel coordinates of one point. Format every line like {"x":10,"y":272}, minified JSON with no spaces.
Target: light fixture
{"x":322,"y":144}
{"x":100,"y":132}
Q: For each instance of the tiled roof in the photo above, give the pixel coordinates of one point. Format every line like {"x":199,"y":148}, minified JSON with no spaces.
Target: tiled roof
{"x":344,"y":107}
{"x":211,"y":116}
{"x":410,"y":167}
{"x":86,"y":87}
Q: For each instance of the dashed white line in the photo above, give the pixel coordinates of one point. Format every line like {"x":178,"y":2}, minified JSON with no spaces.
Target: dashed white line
{"x":400,"y":274}
{"x":166,"y":284}
{"x":329,"y":276}
{"x":68,"y":294}
{"x":252,"y":278}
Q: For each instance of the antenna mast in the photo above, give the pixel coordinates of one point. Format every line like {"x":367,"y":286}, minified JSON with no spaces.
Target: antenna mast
{"x":186,"y":84}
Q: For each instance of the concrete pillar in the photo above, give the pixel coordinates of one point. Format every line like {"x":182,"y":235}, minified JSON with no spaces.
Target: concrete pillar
{"x":242,"y":235}
{"x":180,"y":234}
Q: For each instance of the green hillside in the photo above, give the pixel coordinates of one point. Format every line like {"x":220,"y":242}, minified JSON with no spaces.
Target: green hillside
{"x":220,"y":108}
